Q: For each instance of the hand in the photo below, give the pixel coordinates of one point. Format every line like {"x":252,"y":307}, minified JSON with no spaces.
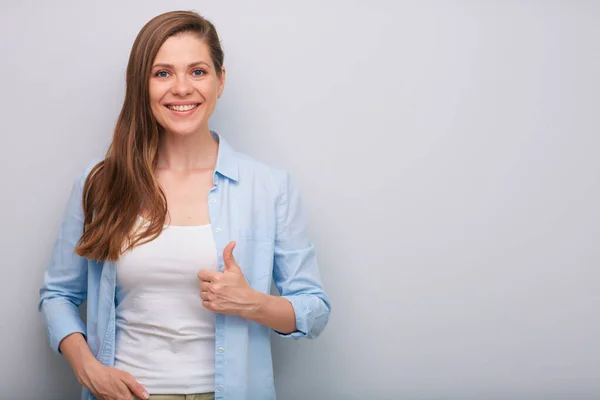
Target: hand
{"x":227,"y":292}
{"x":108,"y":383}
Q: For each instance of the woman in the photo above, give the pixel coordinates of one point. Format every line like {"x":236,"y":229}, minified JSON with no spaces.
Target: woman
{"x":149,"y":234}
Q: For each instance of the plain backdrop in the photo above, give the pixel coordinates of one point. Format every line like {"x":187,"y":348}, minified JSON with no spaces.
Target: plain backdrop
{"x":448,"y":157}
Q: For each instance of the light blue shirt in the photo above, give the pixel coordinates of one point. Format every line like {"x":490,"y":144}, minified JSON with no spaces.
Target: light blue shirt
{"x":254,"y":204}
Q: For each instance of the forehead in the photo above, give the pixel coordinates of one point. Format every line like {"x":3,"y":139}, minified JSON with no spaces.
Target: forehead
{"x":184,"y":48}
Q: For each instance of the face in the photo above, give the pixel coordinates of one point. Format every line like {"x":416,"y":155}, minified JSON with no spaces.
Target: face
{"x":184,"y":86}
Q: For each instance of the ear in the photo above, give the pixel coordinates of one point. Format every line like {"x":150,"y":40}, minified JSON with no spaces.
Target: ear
{"x":222,"y":80}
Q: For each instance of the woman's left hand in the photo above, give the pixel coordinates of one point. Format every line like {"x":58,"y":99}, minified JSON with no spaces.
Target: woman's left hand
{"x":227,"y":292}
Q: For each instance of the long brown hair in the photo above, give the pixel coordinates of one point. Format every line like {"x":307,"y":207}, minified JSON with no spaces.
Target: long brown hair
{"x":117,"y":187}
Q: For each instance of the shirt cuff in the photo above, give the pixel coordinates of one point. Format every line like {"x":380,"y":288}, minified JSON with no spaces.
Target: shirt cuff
{"x":302,"y":313}
{"x":62,"y":319}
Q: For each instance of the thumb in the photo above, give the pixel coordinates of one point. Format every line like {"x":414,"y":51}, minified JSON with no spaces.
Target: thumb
{"x":228,"y":258}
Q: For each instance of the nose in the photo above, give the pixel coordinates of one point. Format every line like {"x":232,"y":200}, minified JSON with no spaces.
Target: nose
{"x":181,"y":86}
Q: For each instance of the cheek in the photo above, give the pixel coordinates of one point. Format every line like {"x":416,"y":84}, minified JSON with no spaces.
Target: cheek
{"x":156,"y":111}
{"x":209,"y":89}
{"x":155,"y":95}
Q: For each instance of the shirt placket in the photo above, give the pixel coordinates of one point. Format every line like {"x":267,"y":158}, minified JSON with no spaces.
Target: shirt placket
{"x":214,"y":208}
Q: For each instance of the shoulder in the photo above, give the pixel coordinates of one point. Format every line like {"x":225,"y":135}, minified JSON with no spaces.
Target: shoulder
{"x":80,"y":180}
{"x":256,"y":172}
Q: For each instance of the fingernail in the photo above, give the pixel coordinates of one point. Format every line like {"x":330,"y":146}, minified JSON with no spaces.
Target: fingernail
{"x":145,"y":395}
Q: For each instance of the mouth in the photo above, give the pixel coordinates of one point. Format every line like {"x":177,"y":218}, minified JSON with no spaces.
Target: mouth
{"x":182,"y":108}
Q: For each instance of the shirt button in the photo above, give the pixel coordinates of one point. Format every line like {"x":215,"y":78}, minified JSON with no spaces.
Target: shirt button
{"x":218,"y":230}
{"x":219,"y":387}
{"x":220,"y":349}
{"x":213,"y":200}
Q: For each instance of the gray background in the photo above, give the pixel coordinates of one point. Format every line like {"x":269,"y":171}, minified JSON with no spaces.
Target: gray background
{"x":447,"y":153}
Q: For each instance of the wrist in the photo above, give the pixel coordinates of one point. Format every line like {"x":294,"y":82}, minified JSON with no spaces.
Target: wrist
{"x":86,"y":370}
{"x":255,"y":304}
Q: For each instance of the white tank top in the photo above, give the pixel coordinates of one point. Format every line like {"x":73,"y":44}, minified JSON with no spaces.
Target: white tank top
{"x":164,"y":337}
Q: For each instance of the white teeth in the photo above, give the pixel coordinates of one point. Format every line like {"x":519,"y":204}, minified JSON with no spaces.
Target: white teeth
{"x":187,"y":107}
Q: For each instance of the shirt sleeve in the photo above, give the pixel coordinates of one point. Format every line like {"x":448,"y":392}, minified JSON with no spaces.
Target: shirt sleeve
{"x":295,"y":270}
{"x":65,"y":279}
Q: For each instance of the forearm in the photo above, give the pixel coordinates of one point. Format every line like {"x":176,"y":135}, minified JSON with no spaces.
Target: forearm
{"x":78,"y":354}
{"x":273,"y":311}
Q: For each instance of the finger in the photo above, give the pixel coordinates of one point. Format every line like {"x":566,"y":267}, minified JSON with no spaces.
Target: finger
{"x":134,"y":386}
{"x":212,"y":287}
{"x":228,"y":258}
{"x":204,"y":295}
{"x":207,"y":275}
{"x":209,"y":305}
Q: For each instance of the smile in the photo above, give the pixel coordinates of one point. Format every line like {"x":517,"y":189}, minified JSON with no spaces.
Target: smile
{"x":186,"y":107}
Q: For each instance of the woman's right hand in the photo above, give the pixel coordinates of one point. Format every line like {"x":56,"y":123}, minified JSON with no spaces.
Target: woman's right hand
{"x":109,"y":383}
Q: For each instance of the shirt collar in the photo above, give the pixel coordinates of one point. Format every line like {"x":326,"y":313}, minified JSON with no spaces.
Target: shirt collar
{"x":226,"y":161}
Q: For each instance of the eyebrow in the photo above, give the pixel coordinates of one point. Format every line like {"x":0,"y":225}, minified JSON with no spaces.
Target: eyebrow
{"x":194,"y":64}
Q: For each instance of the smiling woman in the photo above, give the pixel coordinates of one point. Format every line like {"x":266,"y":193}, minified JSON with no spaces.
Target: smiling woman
{"x":184,"y":95}
{"x":149,"y":234}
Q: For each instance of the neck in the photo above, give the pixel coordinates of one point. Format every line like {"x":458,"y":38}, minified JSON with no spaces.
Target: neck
{"x":187,"y":153}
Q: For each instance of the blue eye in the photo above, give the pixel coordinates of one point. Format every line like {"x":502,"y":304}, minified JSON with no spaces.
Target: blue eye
{"x":198,"y":72}
{"x":162,"y":74}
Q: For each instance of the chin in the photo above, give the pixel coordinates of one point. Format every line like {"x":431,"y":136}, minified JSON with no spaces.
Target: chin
{"x":177,"y":130}
{"x":181,"y":132}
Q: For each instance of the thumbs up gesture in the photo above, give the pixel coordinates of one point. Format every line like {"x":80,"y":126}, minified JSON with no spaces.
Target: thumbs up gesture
{"x":227,"y":292}
{"x":230,"y":263}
